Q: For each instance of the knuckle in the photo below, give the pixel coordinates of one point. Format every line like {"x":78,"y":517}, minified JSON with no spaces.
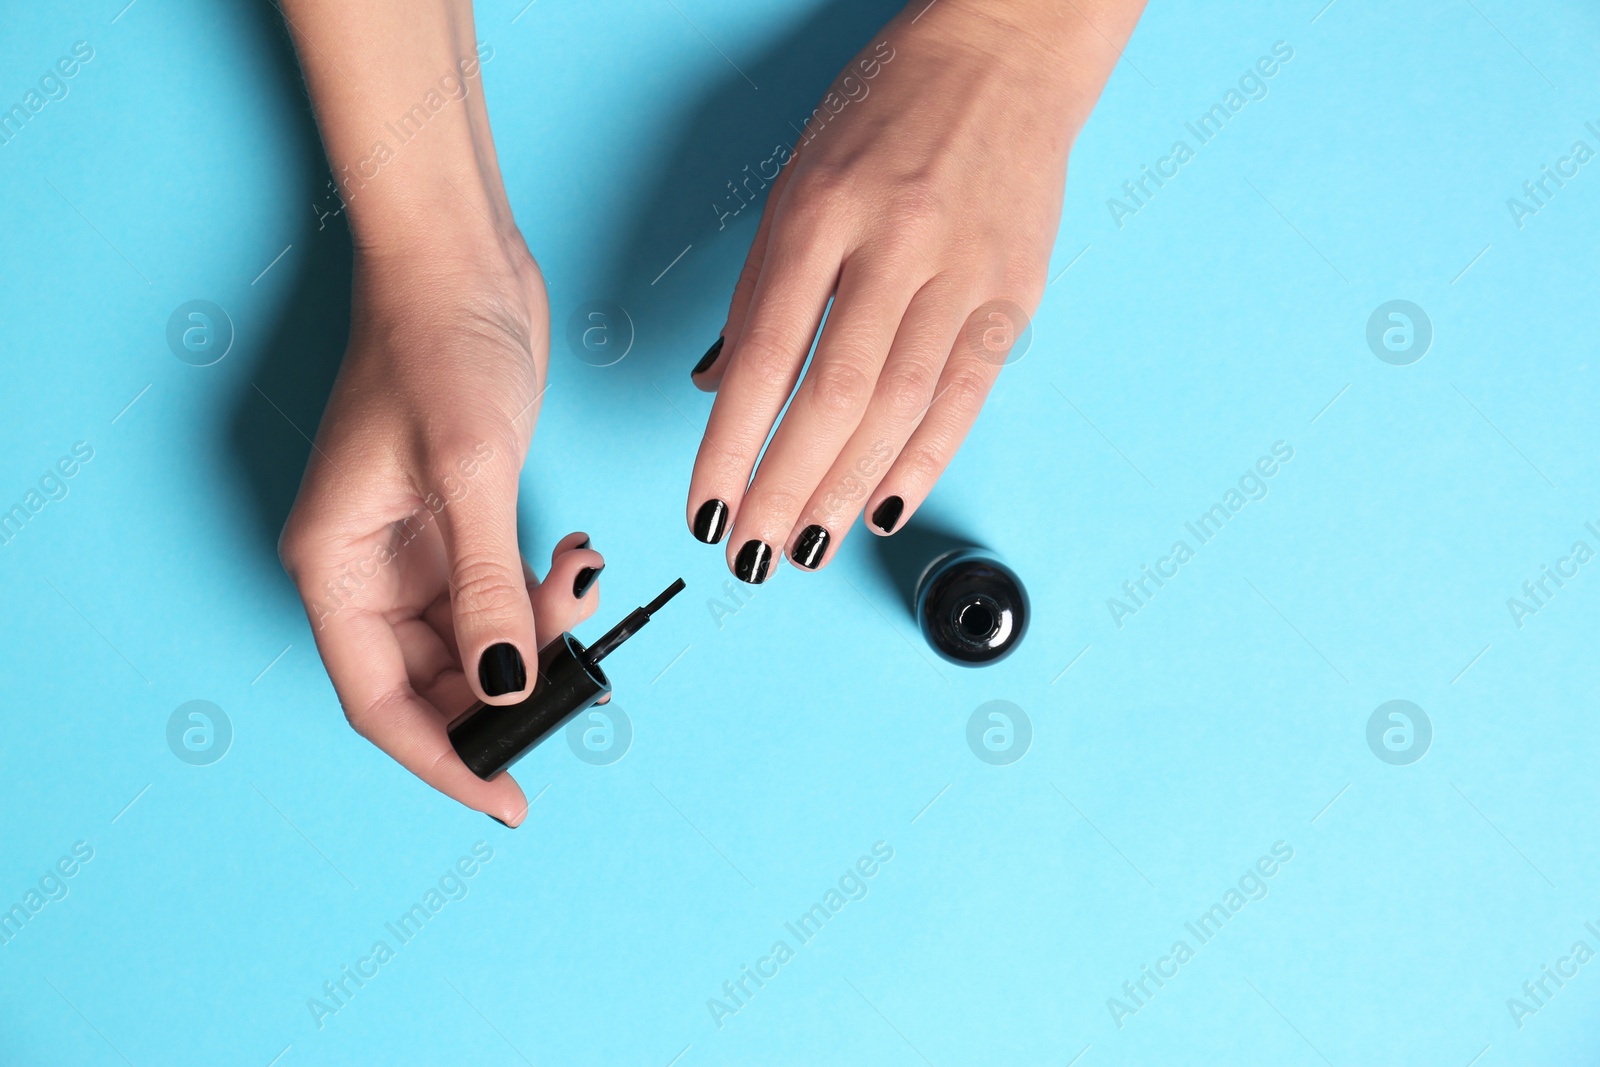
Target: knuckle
{"x":315,"y":522}
{"x":899,"y":253}
{"x":484,"y":590}
{"x":444,"y":762}
{"x":1023,"y":281}
{"x":917,"y":199}
{"x":765,"y":354}
{"x":905,"y":393}
{"x":920,"y":465}
{"x":293,"y":547}
{"x":966,"y":389}
{"x":817,"y":192}
{"x":775,"y":501}
{"x":369,"y":719}
{"x":839,"y":388}
{"x":745,"y":287}
{"x":454,"y":460}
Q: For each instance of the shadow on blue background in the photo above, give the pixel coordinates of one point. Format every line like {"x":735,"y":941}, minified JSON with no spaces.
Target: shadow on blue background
{"x":294,"y":367}
{"x":728,"y":128}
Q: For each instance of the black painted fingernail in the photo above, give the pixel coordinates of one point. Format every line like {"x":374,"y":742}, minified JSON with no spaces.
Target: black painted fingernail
{"x":810,"y":547}
{"x":886,"y":514}
{"x":711,"y":521}
{"x":585,"y":579}
{"x":581,"y":544}
{"x":751,"y":564}
{"x":709,"y":358}
{"x":500,"y":670}
{"x":501,"y":821}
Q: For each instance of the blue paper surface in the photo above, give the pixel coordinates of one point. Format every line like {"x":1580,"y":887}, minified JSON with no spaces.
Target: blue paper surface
{"x":1396,"y":882}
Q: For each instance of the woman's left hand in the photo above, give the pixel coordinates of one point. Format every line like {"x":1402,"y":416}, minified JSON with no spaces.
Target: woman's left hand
{"x":923,"y":199}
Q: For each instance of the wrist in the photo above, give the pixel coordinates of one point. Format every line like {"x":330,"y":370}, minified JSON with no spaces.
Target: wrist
{"x":1061,"y":53}
{"x":420,"y":186}
{"x":411,"y":157}
{"x":413,"y":270}
{"x":427,"y":213}
{"x":443,"y":262}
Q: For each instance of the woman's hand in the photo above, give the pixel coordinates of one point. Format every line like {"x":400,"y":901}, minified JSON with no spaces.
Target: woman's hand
{"x":403,"y":540}
{"x":923,"y":198}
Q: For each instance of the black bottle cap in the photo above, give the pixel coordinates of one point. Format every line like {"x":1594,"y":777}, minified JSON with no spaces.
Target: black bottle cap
{"x":972,"y":609}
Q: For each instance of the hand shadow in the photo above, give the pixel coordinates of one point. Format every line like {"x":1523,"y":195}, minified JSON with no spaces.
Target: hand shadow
{"x":711,"y":185}
{"x":904,"y":557}
{"x":276,"y":413}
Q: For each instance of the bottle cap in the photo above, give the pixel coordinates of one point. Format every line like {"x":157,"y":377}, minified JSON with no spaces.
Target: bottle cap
{"x":972,"y":609}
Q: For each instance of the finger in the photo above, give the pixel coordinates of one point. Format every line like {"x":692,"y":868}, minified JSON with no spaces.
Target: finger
{"x":707,"y":373}
{"x":494,"y":625}
{"x":440,"y":618}
{"x":428,"y":642}
{"x":901,"y":397}
{"x":576,"y":539}
{"x":786,"y":309}
{"x":566,"y":544}
{"x":430,"y":662}
{"x":449,"y":694}
{"x":368,"y":670}
{"x":570,"y":591}
{"x":873,"y":295}
{"x":963,"y":386}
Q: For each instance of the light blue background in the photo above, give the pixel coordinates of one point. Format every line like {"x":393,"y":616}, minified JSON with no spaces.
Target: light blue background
{"x":1227,"y":715}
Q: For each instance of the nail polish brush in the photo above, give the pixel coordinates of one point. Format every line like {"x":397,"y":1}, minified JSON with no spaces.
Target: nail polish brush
{"x":491,"y":737}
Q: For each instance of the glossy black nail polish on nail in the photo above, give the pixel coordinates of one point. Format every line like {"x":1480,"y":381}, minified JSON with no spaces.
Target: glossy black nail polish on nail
{"x":491,"y":737}
{"x":810,"y":547}
{"x":585,"y":579}
{"x":501,"y":821}
{"x":751,"y":564}
{"x":887,"y":513}
{"x":581,"y":544}
{"x":971,"y":608}
{"x":711,"y":521}
{"x":709,"y":358}
{"x":501,"y":671}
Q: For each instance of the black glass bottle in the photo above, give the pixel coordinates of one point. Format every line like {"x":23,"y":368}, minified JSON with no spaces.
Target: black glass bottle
{"x":971,"y":608}
{"x":491,"y":737}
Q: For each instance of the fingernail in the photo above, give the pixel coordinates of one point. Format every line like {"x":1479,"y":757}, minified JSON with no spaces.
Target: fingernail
{"x":709,"y":358}
{"x":500,"y":670}
{"x":501,"y":821}
{"x":886,"y":514}
{"x":711,"y":521}
{"x":581,"y":544}
{"x":751,"y":564}
{"x":585,"y":579}
{"x":810,"y":547}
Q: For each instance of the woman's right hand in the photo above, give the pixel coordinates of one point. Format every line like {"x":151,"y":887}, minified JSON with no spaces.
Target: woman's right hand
{"x":403,"y":539}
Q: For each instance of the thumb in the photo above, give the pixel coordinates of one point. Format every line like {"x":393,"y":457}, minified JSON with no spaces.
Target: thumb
{"x":488,"y":598}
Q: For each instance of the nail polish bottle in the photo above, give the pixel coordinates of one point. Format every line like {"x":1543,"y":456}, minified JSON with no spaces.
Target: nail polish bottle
{"x":491,"y":737}
{"x":971,"y":608}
